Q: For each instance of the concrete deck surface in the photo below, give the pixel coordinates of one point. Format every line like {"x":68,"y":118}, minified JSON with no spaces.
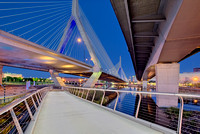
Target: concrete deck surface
{"x":63,"y":113}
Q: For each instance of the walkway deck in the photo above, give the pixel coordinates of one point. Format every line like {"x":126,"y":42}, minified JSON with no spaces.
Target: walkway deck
{"x":64,"y":113}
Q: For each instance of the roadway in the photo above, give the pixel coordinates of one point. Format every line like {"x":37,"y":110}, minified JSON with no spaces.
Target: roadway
{"x":62,"y":112}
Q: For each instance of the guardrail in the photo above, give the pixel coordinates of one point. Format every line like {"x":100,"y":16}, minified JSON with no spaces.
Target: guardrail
{"x":179,"y":118}
{"x":15,"y":117}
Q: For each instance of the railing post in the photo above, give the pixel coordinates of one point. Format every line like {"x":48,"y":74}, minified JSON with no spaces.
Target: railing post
{"x":37,"y":99}
{"x":76,"y":92}
{"x":34,"y":103}
{"x":79,"y":92}
{"x":40,"y":96}
{"x":16,"y":122}
{"x":138,"y":106}
{"x":29,"y":110}
{"x":87,"y":94}
{"x":116,"y":101}
{"x":102,"y":98}
{"x":180,"y":118}
{"x":93,"y":95}
{"x":82,"y":94}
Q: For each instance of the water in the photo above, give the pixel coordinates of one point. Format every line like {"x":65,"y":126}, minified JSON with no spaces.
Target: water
{"x":165,"y":116}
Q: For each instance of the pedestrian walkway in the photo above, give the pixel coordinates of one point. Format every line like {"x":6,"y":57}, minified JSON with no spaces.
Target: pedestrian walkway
{"x":63,"y":113}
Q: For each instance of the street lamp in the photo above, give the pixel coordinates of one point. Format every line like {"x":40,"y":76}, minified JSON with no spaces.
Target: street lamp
{"x":79,"y":40}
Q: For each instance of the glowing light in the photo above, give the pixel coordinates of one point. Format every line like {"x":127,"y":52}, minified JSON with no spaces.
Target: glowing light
{"x":91,"y":58}
{"x":48,"y":62}
{"x":195,"y":79}
{"x":66,"y":71}
{"x":47,"y":58}
{"x":86,"y":59}
{"x":79,"y":40}
{"x":68,"y":66}
{"x":195,"y":101}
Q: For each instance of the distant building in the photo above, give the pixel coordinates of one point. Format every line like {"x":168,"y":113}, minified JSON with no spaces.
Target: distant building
{"x":12,"y":75}
{"x":190,"y":77}
{"x":196,"y":69}
{"x":187,"y":77}
{"x":73,"y":80}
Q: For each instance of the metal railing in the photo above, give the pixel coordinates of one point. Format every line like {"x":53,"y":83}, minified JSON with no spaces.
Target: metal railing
{"x":15,"y":117}
{"x":176,"y":117}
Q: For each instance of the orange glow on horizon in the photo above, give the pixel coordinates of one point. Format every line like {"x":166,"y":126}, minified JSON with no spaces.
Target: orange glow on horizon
{"x":195,"y":79}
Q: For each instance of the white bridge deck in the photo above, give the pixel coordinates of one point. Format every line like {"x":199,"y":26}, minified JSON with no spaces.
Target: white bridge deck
{"x":64,"y":113}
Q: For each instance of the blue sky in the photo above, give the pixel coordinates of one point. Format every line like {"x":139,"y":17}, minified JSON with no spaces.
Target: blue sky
{"x":104,"y":22}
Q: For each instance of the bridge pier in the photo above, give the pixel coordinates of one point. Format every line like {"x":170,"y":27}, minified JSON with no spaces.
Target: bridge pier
{"x":167,"y":80}
{"x":93,"y":79}
{"x":144,"y":85}
{"x":1,"y":74}
{"x":57,"y":80}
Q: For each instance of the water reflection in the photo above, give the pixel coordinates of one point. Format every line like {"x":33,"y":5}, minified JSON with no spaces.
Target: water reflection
{"x":149,"y":110}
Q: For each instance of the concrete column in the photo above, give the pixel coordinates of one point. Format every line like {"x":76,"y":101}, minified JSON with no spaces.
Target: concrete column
{"x":167,"y":80}
{"x":33,"y":83}
{"x":57,"y":80}
{"x":1,"y":74}
{"x":28,"y":84}
{"x":92,"y":80}
{"x":144,"y":85}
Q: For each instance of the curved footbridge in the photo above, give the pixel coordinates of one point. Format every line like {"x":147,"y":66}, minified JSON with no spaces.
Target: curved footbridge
{"x":61,"y":112}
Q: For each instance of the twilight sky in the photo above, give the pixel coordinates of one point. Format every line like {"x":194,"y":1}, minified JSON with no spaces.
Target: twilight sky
{"x":104,"y":22}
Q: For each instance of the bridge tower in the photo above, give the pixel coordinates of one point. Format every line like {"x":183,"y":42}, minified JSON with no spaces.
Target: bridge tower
{"x":75,"y":21}
{"x":120,"y":70}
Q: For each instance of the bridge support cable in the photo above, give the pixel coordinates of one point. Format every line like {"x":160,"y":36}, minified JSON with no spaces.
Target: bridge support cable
{"x":36,"y":21}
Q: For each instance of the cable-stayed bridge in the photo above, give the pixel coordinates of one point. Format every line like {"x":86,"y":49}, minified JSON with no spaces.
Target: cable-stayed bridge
{"x":53,"y":36}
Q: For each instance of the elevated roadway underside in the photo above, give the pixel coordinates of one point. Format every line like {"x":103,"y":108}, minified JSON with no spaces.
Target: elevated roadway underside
{"x":158,"y":31}
{"x":18,"y":52}
{"x":104,"y":76}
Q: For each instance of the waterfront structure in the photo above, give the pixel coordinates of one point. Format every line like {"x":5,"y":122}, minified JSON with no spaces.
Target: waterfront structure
{"x":189,"y":77}
{"x":12,"y":75}
{"x":196,"y":69}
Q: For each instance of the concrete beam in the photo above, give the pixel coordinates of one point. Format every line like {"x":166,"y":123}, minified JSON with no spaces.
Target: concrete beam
{"x":149,"y":19}
{"x":57,"y":80}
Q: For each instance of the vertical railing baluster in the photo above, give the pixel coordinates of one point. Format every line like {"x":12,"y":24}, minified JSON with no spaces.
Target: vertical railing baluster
{"x":180,"y":118}
{"x":34,"y":103}
{"x":82,"y":94}
{"x":93,"y":95}
{"x":37,"y":99}
{"x":87,"y":94}
{"x":116,"y":101}
{"x":102,"y":98}
{"x":76,"y":91}
{"x":138,"y":106}
{"x":40,"y":96}
{"x":29,"y":110}
{"x":16,"y":122}
{"x":79,"y":92}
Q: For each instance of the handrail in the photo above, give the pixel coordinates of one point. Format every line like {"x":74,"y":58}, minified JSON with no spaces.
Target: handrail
{"x":141,"y":92}
{"x":13,"y":104}
{"x":180,"y":96}
{"x":39,"y":95}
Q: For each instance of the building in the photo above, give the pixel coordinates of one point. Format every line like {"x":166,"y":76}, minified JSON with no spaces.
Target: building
{"x":12,"y":75}
{"x":74,"y":80}
{"x":190,"y":77}
{"x":196,"y":69}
